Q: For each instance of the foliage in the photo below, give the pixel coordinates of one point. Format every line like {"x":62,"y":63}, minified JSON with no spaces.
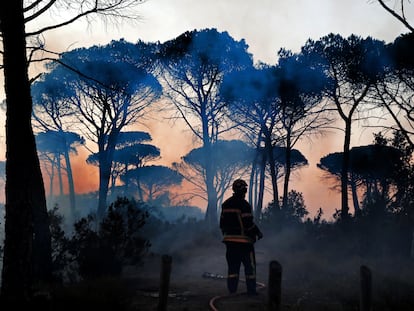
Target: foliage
{"x":61,"y":259}
{"x":400,"y":52}
{"x":294,"y":212}
{"x":229,"y":158}
{"x":295,"y":208}
{"x":192,"y":68}
{"x":92,"y":253}
{"x":154,"y":180}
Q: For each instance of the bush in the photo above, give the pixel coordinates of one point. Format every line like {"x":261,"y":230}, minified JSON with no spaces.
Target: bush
{"x":102,"y":249}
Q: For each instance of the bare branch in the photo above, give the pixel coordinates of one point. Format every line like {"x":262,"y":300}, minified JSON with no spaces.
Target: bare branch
{"x":32,"y":6}
{"x":39,"y":12}
{"x":401,"y":17}
{"x":103,"y":8}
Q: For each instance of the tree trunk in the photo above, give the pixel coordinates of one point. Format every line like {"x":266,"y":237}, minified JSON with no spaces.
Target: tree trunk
{"x":345,"y":170}
{"x":71,"y":185}
{"x":59,"y":171}
{"x":262,"y":174}
{"x":252,"y":184}
{"x":355,"y":201}
{"x":104,"y":177}
{"x":106,"y":157}
{"x":273,"y":173}
{"x":288,"y":167}
{"x":253,"y":177}
{"x":211,"y":212}
{"x":27,"y":245}
{"x":52,"y":178}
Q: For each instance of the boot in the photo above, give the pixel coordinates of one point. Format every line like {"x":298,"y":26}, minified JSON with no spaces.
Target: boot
{"x":251,"y":286}
{"x":232,"y":283}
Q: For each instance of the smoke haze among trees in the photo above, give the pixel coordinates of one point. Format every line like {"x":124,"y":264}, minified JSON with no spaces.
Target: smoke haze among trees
{"x":245,"y":119}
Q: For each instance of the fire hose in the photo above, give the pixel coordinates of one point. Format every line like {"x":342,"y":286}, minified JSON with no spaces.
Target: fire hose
{"x":222,"y":277}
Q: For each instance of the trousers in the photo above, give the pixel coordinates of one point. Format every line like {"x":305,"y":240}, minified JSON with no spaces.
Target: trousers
{"x":237,"y":254}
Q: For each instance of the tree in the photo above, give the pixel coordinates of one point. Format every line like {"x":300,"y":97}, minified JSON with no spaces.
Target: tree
{"x":53,"y":115}
{"x":394,"y":93}
{"x":153,"y":180}
{"x":193,"y":66}
{"x":271,"y":104}
{"x":26,"y":227}
{"x":52,"y":146}
{"x":296,"y":160}
{"x":372,"y":170}
{"x":129,"y":153}
{"x":355,"y":65}
{"x":301,"y":89}
{"x":295,"y":206}
{"x":252,"y":97}
{"x":231,"y":159}
{"x":403,"y":204}
{"x":109,"y":87}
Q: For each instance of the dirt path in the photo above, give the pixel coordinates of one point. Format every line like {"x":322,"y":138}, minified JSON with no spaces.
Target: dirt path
{"x":190,"y":289}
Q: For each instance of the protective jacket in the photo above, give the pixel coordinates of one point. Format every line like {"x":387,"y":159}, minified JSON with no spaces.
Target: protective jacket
{"x":236,"y":221}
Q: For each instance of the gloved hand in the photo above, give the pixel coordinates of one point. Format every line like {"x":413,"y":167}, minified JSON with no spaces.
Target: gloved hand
{"x":259,"y":235}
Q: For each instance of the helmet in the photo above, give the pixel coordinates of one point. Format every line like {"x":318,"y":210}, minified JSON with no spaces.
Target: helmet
{"x":239,"y":186}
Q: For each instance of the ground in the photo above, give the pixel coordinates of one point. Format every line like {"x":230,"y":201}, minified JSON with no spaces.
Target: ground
{"x":315,"y":277}
{"x":194,"y":283}
{"x":310,"y":281}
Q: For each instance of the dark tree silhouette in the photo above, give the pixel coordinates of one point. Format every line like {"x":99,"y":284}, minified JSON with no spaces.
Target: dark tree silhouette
{"x":52,"y":146}
{"x":275,"y":106}
{"x":372,"y":168}
{"x":27,"y":256}
{"x":252,"y":98}
{"x":193,"y":65}
{"x":154,"y":180}
{"x":355,"y":65}
{"x":231,"y":159}
{"x":404,"y":201}
{"x":395,"y":92}
{"x":129,"y":153}
{"x":301,"y":89}
{"x":109,"y":87}
{"x":27,"y":245}
{"x":295,"y":161}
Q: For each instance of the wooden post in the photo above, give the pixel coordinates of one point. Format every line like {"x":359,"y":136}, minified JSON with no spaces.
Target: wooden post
{"x":365,"y":302}
{"x":274,"y":287}
{"x":166,"y":261}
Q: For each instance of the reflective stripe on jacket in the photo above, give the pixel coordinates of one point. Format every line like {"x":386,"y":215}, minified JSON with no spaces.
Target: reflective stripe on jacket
{"x":236,"y":221}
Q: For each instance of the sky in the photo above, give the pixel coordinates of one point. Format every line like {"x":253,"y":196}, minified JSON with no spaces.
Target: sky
{"x":266,"y":26}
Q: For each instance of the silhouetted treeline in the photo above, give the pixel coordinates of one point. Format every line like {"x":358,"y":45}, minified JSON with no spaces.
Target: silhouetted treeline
{"x":103,"y":90}
{"x":210,"y":81}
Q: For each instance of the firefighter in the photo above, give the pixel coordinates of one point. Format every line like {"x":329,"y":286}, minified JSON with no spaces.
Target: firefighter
{"x":239,"y":235}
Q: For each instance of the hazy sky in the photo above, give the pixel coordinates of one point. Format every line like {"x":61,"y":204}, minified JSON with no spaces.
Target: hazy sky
{"x":266,"y":26}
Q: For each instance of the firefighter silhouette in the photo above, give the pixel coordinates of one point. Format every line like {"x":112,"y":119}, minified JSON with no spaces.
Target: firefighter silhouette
{"x":239,"y":235}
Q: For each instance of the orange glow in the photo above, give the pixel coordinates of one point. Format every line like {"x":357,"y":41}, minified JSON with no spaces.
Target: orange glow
{"x":174,"y":141}
{"x":85,"y":176}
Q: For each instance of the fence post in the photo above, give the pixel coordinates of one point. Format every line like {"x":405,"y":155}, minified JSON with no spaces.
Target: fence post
{"x":274,"y":286}
{"x":365,"y":302}
{"x":166,"y":261}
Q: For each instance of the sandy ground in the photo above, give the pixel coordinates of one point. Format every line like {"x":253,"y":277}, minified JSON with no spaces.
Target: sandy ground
{"x":190,"y":288}
{"x":311,"y":281}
